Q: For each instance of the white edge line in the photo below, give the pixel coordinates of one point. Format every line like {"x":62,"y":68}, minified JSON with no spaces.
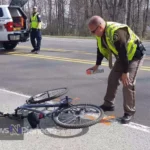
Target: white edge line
{"x":15,"y":93}
{"x":138,"y":127}
{"x":131,"y":124}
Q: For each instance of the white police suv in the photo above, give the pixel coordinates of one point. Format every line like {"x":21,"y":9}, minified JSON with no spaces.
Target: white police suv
{"x":13,"y":24}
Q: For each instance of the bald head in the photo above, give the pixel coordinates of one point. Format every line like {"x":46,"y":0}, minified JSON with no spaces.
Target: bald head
{"x":96,"y":22}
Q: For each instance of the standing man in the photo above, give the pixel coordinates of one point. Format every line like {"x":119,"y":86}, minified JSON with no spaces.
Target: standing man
{"x":119,"y":40}
{"x":35,"y":27}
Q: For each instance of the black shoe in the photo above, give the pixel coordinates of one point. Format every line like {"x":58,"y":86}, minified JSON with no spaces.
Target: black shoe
{"x":126,"y":118}
{"x":33,"y":50}
{"x":107,"y":108}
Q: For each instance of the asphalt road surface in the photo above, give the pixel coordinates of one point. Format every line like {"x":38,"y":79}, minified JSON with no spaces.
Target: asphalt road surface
{"x":62,"y":62}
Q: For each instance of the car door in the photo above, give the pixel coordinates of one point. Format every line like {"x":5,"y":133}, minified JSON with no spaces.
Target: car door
{"x":19,"y":3}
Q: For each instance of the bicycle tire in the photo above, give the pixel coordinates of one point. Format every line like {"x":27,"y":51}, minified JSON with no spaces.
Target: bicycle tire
{"x":56,"y":115}
{"x":47,"y":95}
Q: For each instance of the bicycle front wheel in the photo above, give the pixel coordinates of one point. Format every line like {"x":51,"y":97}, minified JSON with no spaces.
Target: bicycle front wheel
{"x":78,"y":116}
{"x":47,"y":95}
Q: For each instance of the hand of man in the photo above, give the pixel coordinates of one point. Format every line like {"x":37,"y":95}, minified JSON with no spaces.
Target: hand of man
{"x":125,"y":79}
{"x":94,"y":68}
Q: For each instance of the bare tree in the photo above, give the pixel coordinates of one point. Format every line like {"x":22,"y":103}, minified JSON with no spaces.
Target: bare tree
{"x":145,"y":18}
{"x":100,"y":4}
{"x":34,"y":2}
{"x":49,"y":15}
{"x":129,"y":5}
{"x":64,"y":17}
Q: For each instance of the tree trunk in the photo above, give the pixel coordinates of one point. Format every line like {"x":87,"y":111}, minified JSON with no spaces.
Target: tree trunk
{"x":114,"y":10}
{"x":129,"y":12}
{"x":145,"y":20}
{"x":100,"y":4}
{"x":34,"y":2}
{"x":50,"y":16}
{"x":126,"y":12}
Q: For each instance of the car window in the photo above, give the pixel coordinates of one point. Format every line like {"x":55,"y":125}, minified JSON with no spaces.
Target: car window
{"x":1,"y":12}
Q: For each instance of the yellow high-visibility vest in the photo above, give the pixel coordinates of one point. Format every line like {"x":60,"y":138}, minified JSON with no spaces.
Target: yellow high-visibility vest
{"x":34,"y":22}
{"x":111,"y":27}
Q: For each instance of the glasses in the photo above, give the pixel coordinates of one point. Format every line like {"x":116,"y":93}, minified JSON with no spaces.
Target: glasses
{"x":94,"y":30}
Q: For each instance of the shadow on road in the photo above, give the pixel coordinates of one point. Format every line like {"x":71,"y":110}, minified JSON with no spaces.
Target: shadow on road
{"x":11,"y":129}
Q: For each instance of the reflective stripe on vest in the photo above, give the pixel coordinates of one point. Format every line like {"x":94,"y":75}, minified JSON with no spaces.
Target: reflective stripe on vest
{"x":34,"y":22}
{"x":111,"y":27}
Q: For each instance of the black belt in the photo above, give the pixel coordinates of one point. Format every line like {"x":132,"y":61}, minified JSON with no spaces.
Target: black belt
{"x":34,"y":29}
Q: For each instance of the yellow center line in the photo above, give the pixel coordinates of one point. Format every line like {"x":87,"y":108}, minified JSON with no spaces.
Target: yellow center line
{"x":57,"y":58}
{"x":73,"y":51}
{"x":145,"y":68}
{"x":60,"y":50}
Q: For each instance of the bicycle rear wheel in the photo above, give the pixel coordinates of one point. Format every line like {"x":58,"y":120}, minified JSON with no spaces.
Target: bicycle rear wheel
{"x":78,"y":116}
{"x":47,"y":95}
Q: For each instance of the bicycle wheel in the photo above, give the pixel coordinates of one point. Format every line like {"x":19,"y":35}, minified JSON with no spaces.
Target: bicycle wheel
{"x":47,"y":95}
{"x":78,"y":116}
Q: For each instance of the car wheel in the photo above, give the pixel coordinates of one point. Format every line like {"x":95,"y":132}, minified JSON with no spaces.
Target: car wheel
{"x":9,"y":45}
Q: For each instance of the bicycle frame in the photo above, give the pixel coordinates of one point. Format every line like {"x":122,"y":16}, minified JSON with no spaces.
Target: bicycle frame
{"x":65,"y":102}
{"x":62,"y":108}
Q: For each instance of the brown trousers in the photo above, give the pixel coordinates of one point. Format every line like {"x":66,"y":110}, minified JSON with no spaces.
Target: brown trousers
{"x":128,"y":91}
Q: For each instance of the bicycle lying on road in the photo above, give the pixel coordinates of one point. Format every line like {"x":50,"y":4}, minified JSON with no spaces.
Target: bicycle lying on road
{"x":65,"y":115}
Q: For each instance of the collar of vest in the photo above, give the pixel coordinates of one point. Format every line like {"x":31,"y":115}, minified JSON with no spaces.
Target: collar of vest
{"x":35,"y":14}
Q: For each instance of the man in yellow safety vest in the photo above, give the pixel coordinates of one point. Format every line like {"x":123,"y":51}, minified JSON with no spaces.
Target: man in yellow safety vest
{"x":35,"y":28}
{"x":118,"y":39}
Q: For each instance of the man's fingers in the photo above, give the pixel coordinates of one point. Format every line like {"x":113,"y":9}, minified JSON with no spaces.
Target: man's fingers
{"x":125,"y":82}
